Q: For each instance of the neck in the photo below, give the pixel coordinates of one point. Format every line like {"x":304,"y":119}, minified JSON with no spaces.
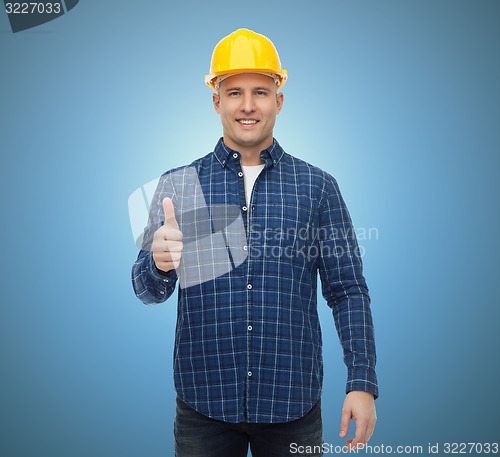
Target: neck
{"x":250,"y":156}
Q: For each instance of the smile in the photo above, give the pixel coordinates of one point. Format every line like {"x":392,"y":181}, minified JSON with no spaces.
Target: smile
{"x":247,"y":121}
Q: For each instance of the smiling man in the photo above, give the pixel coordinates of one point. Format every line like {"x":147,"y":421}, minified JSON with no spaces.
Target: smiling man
{"x":248,"y":366}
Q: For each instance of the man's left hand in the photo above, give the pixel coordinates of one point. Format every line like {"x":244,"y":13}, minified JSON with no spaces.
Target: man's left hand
{"x":360,"y":406}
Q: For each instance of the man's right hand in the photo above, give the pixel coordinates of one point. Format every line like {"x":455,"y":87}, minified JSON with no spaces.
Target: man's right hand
{"x":167,"y":241}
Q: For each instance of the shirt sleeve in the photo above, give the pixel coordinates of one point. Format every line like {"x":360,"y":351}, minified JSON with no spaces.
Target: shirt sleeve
{"x":151,"y":286}
{"x":344,"y":289}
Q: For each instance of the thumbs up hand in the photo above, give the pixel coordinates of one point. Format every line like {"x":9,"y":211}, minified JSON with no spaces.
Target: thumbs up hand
{"x":167,"y":241}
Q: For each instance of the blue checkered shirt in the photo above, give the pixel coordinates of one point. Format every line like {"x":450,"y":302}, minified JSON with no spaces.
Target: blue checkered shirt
{"x":248,"y":344}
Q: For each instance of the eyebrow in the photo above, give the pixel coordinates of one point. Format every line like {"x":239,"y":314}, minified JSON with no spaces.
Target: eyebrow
{"x":239,"y":88}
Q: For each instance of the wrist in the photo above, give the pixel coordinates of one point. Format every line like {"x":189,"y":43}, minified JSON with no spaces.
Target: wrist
{"x":161,"y":272}
{"x":361,"y":393}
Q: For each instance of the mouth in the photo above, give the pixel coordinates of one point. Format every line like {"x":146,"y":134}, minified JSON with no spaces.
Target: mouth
{"x":247,"y":122}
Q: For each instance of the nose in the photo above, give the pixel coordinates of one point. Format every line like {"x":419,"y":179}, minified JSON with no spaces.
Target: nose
{"x":247,"y":103}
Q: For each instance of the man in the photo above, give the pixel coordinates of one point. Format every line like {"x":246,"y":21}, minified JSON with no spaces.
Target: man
{"x":247,"y":357}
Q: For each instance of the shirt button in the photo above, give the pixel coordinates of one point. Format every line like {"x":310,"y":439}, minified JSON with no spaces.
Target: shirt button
{"x":249,"y":286}
{"x":244,"y":208}
{"x":249,"y":328}
{"x":165,"y":280}
{"x":249,"y":373}
{"x":240,"y":174}
{"x":245,"y":248}
{"x":161,"y":292}
{"x":235,"y":155}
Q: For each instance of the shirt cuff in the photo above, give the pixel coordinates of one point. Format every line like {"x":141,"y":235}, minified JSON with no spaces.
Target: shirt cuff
{"x":359,"y":378}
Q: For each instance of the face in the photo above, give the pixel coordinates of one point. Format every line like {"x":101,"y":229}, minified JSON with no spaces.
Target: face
{"x":248,"y":105}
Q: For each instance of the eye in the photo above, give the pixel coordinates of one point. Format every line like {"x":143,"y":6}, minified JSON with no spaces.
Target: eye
{"x":233,"y":93}
{"x":261,"y":92}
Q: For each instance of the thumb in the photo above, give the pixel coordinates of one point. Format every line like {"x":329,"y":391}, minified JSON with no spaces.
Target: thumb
{"x":168,"y":209}
{"x":344,"y":422}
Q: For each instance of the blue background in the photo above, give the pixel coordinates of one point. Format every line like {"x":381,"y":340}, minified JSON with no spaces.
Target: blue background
{"x":399,"y":100}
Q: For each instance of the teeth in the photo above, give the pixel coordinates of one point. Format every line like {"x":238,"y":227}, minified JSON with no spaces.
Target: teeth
{"x":247,"y":121}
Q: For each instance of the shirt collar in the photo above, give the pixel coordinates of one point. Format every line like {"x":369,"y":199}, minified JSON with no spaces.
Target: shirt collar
{"x":271,"y":155}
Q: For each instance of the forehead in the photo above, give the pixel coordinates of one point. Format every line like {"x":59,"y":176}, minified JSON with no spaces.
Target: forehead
{"x":247,"y":80}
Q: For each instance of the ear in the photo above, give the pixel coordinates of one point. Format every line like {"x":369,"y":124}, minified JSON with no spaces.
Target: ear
{"x":279,"y":101}
{"x":216,"y":100}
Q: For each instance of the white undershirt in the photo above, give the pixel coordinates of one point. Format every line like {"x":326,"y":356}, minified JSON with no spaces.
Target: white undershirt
{"x":250,"y":173}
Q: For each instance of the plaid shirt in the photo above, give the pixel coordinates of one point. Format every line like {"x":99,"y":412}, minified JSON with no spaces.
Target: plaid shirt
{"x":248,"y":344}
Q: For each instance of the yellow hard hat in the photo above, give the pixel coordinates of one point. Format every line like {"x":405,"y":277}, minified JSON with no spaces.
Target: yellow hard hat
{"x":245,"y":51}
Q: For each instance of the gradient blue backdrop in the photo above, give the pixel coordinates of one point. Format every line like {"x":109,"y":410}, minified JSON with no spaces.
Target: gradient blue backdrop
{"x":402,"y":100}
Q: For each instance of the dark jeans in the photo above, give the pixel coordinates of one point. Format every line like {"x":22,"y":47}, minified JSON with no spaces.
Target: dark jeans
{"x":197,"y":435}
